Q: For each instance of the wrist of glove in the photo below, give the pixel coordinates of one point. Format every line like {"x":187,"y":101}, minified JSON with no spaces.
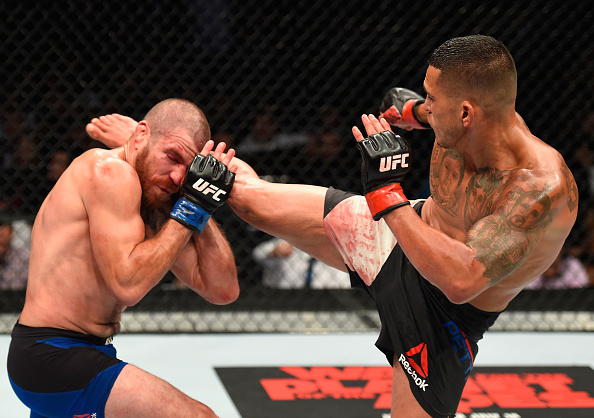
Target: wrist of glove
{"x":385,"y":199}
{"x":385,"y":164}
{"x":190,"y":215}
{"x":205,"y":188}
{"x":399,"y":108}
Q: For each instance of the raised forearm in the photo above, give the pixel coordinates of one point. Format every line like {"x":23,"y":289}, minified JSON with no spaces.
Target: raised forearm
{"x":147,"y":263}
{"x":215,"y":276}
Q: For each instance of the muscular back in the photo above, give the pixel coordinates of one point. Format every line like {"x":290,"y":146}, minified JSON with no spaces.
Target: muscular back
{"x":66,"y":289}
{"x":516,"y":216}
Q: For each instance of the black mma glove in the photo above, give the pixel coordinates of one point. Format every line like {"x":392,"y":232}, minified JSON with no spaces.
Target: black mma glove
{"x":399,"y":107}
{"x":205,"y":188}
{"x":385,"y":163}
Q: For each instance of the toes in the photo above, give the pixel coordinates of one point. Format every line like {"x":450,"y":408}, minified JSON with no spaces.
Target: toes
{"x":92,"y":130}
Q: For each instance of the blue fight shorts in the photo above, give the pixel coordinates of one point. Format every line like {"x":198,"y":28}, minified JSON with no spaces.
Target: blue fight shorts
{"x":62,"y":373}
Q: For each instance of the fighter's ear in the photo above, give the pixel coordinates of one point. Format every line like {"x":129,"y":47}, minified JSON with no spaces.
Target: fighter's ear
{"x":467,"y":113}
{"x":142,"y":133}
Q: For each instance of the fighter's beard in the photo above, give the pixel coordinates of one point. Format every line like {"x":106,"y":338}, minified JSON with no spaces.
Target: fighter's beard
{"x":154,"y":210}
{"x":155,"y":218}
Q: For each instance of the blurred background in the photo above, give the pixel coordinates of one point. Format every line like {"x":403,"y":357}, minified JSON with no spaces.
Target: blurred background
{"x":283,"y":83}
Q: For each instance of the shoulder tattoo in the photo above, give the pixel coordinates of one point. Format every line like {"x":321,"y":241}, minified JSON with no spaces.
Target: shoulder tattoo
{"x":446,"y":175}
{"x":483,"y":190}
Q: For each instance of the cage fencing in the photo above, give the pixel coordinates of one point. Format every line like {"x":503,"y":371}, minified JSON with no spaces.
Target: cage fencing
{"x":282,"y":82}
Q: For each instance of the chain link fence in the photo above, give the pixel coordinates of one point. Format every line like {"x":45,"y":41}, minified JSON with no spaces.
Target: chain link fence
{"x":282,"y":82}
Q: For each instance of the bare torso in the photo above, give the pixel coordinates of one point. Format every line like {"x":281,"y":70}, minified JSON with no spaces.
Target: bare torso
{"x":462,"y":195}
{"x":65,"y":288}
{"x":474,"y":206}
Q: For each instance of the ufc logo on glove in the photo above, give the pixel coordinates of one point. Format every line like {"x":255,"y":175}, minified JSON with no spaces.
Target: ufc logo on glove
{"x":205,"y":188}
{"x":392,"y":162}
{"x":385,"y":163}
{"x":194,"y":207}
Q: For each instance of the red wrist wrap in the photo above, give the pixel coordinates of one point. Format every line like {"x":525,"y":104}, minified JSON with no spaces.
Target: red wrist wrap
{"x":408,"y":115}
{"x":384,"y":199}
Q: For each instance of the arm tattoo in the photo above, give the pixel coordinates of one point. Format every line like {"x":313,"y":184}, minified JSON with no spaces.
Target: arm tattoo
{"x":572,"y":190}
{"x":499,"y":250}
{"x":504,"y":239}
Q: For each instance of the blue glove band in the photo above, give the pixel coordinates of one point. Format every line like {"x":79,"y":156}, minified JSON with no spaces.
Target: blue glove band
{"x":190,"y":215}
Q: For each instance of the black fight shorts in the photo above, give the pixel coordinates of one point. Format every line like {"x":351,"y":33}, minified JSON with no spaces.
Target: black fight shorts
{"x":432,"y":339}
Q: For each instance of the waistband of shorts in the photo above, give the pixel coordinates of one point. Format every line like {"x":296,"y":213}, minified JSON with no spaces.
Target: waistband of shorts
{"x":42,"y":333}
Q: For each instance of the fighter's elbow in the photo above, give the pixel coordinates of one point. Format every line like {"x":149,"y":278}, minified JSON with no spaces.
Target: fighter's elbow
{"x":463,"y":283}
{"x":458,"y":296}
{"x":461,"y":291}
{"x":128,"y":296}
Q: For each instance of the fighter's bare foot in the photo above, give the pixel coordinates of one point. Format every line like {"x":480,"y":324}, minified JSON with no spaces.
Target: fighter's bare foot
{"x":112,"y":130}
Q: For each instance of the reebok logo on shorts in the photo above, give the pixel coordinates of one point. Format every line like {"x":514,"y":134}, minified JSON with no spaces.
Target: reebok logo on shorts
{"x":417,"y":369}
{"x":392,"y":162}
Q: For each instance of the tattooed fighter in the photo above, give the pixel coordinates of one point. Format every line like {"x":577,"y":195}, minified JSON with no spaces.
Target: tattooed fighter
{"x":440,"y":270}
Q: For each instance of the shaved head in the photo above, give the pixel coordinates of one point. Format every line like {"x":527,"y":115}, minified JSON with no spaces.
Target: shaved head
{"x":174,"y":114}
{"x":477,"y":68}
